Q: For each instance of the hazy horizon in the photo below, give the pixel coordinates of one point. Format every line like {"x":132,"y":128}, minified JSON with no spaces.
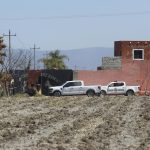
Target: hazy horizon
{"x":73,"y":24}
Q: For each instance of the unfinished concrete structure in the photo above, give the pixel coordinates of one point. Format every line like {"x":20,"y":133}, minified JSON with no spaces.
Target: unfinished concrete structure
{"x":131,"y":63}
{"x":111,"y":63}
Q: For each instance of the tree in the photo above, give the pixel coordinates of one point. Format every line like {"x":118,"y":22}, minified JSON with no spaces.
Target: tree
{"x":20,"y":59}
{"x":2,"y":46}
{"x":4,"y":78}
{"x":55,"y":60}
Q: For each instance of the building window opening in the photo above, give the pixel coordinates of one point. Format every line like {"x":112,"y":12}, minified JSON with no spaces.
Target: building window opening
{"x":138,"y":54}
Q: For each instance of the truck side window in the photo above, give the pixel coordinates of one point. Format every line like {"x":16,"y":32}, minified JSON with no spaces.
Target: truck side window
{"x":111,"y":85}
{"x":116,"y":84}
{"x":77,"y":83}
{"x":119,"y":84}
{"x":68,"y":84}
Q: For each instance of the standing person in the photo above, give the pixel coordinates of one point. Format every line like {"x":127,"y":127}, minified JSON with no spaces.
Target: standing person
{"x":47,"y":85}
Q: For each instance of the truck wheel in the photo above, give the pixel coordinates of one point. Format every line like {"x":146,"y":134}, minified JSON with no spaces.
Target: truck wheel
{"x":103,"y":93}
{"x":57,"y":93}
{"x":130,"y":93}
{"x":90,"y":93}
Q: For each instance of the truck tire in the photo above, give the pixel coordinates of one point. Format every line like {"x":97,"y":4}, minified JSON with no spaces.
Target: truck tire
{"x":57,"y":93}
{"x":130,"y":93}
{"x":90,"y":93}
{"x":103,"y":93}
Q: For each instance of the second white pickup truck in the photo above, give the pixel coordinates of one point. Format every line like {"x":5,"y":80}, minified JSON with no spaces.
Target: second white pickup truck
{"x":119,"y":88}
{"x":74,"y":88}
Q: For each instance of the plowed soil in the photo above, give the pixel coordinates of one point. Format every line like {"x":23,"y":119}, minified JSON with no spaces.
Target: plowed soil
{"x":75,"y":123}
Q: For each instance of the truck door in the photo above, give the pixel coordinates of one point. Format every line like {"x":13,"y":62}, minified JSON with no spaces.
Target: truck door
{"x":67,"y":88}
{"x":116,"y":88}
{"x":72,"y":88}
{"x":77,"y":89}
{"x":120,"y":88}
{"x":111,"y":89}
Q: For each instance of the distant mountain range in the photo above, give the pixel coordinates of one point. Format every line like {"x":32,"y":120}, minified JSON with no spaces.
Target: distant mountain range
{"x":81,"y":59}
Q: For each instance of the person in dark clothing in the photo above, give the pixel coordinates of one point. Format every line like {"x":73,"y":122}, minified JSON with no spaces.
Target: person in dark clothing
{"x":31,"y":90}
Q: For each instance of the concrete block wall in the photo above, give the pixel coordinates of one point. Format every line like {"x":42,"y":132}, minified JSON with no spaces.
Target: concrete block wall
{"x":111,"y":63}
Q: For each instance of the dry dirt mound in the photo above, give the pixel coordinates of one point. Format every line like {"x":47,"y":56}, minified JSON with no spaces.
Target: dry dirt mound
{"x":75,"y":122}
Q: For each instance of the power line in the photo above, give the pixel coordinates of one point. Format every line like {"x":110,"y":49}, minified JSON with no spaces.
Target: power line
{"x":22,"y":43}
{"x":77,"y":16}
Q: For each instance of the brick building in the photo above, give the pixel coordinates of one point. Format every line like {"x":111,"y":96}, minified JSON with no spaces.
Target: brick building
{"x":131,"y":63}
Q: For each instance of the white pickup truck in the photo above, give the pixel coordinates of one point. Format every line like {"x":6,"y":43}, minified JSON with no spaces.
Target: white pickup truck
{"x":74,"y":88}
{"x":119,"y":88}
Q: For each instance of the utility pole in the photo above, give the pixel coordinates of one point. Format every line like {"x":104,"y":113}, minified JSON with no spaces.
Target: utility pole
{"x":34,"y":48}
{"x":9,"y":57}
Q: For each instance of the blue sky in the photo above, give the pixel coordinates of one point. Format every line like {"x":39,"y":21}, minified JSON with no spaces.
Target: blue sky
{"x":73,"y":24}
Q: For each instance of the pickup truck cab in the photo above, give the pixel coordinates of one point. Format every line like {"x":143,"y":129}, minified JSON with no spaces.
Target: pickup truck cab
{"x":74,"y":88}
{"x":119,"y":88}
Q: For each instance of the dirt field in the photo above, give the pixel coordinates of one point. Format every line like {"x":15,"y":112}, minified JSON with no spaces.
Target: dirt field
{"x":77,"y":122}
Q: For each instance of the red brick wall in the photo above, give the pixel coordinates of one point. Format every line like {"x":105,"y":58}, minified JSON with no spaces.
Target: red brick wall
{"x":133,"y":72}
{"x":102,"y":77}
{"x":117,"y":48}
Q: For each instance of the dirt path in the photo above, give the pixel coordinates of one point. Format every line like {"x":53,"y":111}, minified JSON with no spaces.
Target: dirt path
{"x":77,"y":122}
